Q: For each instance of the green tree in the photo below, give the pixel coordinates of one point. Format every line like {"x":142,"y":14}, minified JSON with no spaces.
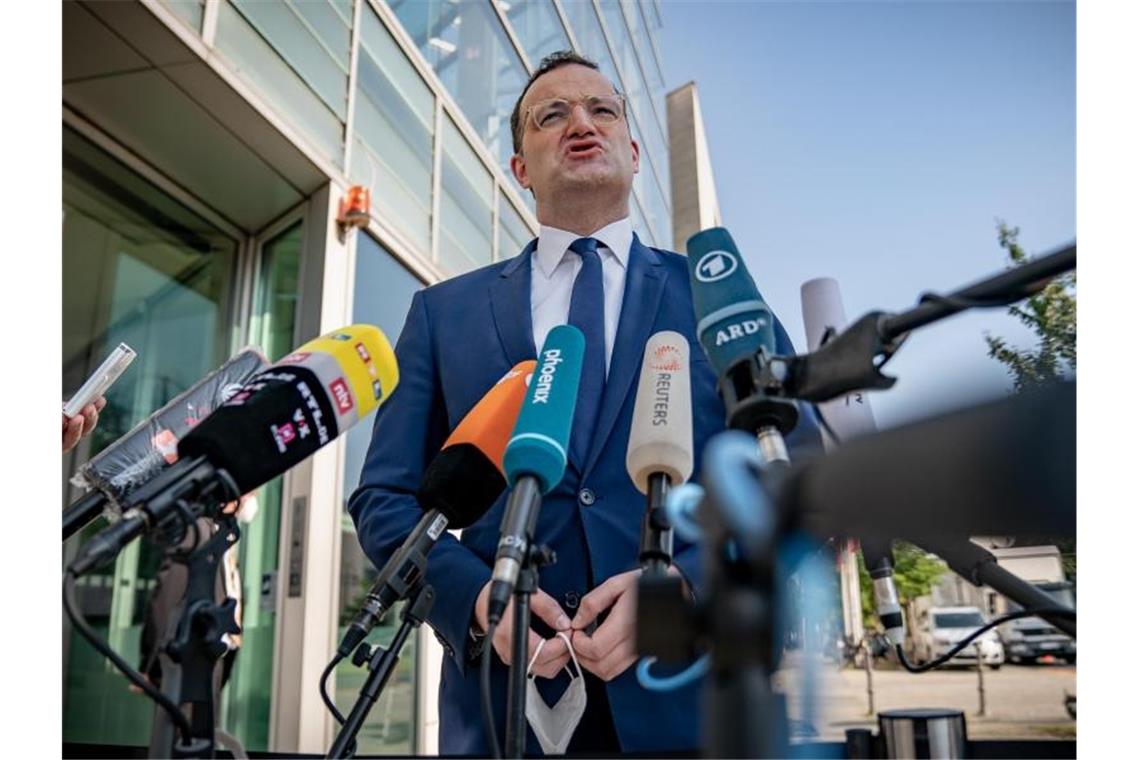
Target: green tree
{"x":1051,"y":314}
{"x":916,"y":572}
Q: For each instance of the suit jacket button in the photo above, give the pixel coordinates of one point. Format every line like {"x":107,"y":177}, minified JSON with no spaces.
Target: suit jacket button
{"x":586,"y":497}
{"x":571,"y":600}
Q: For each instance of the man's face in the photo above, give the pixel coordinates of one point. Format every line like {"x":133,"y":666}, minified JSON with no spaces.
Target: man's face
{"x":581,"y":155}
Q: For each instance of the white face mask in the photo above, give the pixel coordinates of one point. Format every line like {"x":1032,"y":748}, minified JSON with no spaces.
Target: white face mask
{"x":555,"y":725}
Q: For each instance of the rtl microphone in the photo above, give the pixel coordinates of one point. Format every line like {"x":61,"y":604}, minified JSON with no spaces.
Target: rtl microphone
{"x":850,"y":416}
{"x":737,"y":331}
{"x":276,"y":420}
{"x":459,"y":486}
{"x":535,"y":458}
{"x":150,"y":447}
{"x":660,"y":452}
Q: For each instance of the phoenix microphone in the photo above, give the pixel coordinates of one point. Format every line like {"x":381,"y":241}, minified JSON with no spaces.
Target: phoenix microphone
{"x":535,"y":457}
{"x":276,"y":420}
{"x":850,"y":416}
{"x":459,"y":486}
{"x":150,"y":447}
{"x":660,"y":452}
{"x":738,"y":333}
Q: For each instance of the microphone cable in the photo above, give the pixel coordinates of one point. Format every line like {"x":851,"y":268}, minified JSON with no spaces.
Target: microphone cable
{"x":485,"y":691}
{"x":1054,"y":611}
{"x":71,"y":607}
{"x":325,"y":688}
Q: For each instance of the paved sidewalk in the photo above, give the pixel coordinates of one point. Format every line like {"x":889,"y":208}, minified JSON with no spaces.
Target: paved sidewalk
{"x":1024,"y":702}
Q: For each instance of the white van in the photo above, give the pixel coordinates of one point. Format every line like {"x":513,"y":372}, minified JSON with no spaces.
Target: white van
{"x":940,"y":628}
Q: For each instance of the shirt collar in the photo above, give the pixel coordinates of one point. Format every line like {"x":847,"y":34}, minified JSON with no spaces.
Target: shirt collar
{"x":554,"y":243}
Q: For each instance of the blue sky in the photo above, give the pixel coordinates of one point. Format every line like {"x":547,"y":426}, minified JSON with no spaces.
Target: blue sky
{"x":876,"y":143}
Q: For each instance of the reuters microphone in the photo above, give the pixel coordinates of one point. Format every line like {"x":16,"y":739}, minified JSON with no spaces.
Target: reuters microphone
{"x":660,"y":452}
{"x":151,"y":446}
{"x":459,"y":486}
{"x":850,"y":417}
{"x":738,"y":333}
{"x":278,"y":419}
{"x":535,"y":457}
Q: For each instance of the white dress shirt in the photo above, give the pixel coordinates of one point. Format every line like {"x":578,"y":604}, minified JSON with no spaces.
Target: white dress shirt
{"x":553,"y":270}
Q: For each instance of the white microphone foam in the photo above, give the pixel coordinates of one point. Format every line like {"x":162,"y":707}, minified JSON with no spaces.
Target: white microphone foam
{"x":661,"y":433}
{"x":849,"y":416}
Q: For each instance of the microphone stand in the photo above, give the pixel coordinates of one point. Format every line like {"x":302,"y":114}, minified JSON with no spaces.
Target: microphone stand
{"x":381,"y":664}
{"x":193,"y":646}
{"x":656,"y":533}
{"x":534,"y":558}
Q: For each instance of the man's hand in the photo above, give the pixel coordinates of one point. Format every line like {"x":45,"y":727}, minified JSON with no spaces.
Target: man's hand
{"x":554,"y":655}
{"x":613,"y":646}
{"x":81,"y":424}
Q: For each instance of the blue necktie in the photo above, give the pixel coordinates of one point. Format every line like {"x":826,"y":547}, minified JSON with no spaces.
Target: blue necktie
{"x":588,"y":314}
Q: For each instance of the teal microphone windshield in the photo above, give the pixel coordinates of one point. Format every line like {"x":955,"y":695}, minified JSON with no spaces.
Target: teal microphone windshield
{"x":733,"y":322}
{"x":538,"y":444}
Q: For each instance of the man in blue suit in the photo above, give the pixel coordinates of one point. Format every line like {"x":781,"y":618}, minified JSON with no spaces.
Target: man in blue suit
{"x":587,"y":267}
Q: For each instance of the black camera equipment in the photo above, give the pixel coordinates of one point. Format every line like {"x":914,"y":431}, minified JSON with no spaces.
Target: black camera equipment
{"x":1001,"y":468}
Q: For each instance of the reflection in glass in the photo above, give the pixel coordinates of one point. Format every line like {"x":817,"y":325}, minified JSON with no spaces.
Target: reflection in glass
{"x":538,"y":28}
{"x":393,"y":126}
{"x":466,"y":45}
{"x":513,"y":231}
{"x":140,"y":268}
{"x":391,"y":725}
{"x":467,"y":192}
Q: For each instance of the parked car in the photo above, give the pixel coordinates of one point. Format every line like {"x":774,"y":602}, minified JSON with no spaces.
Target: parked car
{"x":939,"y":629}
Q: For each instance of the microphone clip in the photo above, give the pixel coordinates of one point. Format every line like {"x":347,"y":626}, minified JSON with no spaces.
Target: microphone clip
{"x":845,"y":362}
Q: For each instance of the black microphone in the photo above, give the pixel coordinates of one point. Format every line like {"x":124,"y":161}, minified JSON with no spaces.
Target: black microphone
{"x":535,"y":457}
{"x":150,"y":447}
{"x":276,"y":420}
{"x":737,"y":331}
{"x":459,"y":486}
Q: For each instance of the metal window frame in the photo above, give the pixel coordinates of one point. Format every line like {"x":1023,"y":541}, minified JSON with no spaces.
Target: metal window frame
{"x":641,"y":65}
{"x":510,"y":30}
{"x":350,"y":108}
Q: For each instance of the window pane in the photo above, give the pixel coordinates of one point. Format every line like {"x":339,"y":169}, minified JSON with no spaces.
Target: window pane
{"x":271,"y":46}
{"x":392,"y":133}
{"x":468,"y":48}
{"x":465,"y":205}
{"x":513,"y":232}
{"x":538,"y":28}
{"x":190,"y":11}
{"x":640,"y":226}
{"x":140,"y":268}
{"x":390,"y":727}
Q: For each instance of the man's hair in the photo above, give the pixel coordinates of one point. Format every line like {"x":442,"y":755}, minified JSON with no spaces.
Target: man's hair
{"x":549,"y":63}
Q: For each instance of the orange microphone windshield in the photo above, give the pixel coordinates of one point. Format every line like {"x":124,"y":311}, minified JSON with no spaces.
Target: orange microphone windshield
{"x":489,"y":424}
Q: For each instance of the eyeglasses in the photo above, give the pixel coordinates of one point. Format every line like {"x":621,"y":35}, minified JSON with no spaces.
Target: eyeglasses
{"x":554,"y":113}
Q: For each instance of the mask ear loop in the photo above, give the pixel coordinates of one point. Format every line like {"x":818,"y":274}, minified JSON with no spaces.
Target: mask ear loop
{"x":530,"y":667}
{"x":573,"y":656}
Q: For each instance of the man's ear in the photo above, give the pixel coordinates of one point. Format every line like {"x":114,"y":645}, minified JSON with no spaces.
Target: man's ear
{"x":636,"y":155}
{"x":518,"y":168}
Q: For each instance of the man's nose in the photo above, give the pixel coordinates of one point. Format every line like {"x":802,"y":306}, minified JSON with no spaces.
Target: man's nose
{"x":580,"y":122}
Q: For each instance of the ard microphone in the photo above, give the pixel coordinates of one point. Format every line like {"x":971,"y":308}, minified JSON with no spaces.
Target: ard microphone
{"x":850,"y":416}
{"x":660,"y":453}
{"x":150,"y":447}
{"x":535,"y":458}
{"x":276,"y":420}
{"x":459,"y":486}
{"x":738,"y":333}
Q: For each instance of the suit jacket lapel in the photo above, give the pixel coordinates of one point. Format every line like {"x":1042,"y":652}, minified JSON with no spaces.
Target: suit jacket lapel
{"x":510,"y":304}
{"x":644,"y":284}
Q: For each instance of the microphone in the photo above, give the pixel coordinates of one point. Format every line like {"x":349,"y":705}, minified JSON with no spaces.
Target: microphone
{"x":660,"y":452}
{"x":535,"y":457}
{"x":850,"y":416}
{"x":149,"y":448}
{"x":282,"y":415}
{"x":737,"y":331}
{"x":459,"y":486}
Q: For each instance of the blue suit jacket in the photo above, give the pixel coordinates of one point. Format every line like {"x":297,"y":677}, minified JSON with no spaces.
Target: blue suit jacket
{"x":460,"y":337}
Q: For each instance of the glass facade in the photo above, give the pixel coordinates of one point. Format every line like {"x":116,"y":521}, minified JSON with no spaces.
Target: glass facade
{"x":391,"y":726}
